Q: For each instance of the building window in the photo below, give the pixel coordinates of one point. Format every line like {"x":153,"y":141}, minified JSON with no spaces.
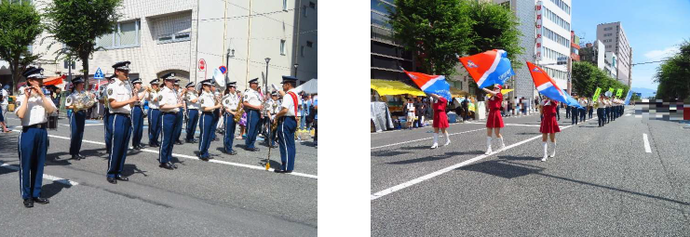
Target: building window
{"x":312,"y":5}
{"x":310,"y":44}
{"x":172,"y":29}
{"x":304,"y":10}
{"x":126,"y":34}
{"x":562,"y":5}
{"x":285,"y":7}
{"x":301,"y":51}
{"x":282,"y":47}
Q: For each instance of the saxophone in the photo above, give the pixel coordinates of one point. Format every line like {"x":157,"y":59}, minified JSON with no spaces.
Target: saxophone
{"x":239,"y":110}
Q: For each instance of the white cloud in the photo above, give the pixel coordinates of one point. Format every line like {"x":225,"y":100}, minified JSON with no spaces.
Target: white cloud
{"x":661,"y":54}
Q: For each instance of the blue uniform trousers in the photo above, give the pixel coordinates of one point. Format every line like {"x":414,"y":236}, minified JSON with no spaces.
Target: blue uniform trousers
{"x":33,"y":145}
{"x":573,"y":116}
{"x":76,"y":124}
{"x":168,"y":124}
{"x":178,"y":126}
{"x":286,"y":142}
{"x":591,"y":111}
{"x":192,"y":120}
{"x":567,"y":112}
{"x":137,"y":125}
{"x":583,"y":114}
{"x":121,"y":127}
{"x":215,"y":120}
{"x":600,"y":115}
{"x":252,"y":128}
{"x":607,"y":112}
{"x":107,"y":129}
{"x":154,"y":126}
{"x":205,"y":125}
{"x":229,"y":135}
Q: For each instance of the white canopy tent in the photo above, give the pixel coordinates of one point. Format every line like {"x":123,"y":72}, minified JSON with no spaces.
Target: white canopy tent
{"x":309,"y":87}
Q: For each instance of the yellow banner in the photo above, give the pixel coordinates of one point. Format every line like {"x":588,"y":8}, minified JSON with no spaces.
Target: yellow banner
{"x":619,"y":93}
{"x":596,"y":94}
{"x":384,"y":87}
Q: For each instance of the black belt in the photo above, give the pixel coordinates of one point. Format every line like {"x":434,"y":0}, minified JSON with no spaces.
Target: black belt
{"x":126,"y":115}
{"x":169,"y":112}
{"x":209,"y":113}
{"x":39,"y":125}
{"x":154,"y":109}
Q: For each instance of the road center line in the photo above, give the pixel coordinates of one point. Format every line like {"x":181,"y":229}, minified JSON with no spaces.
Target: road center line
{"x":196,"y":158}
{"x":647,"y":148}
{"x":448,"y":169}
{"x":45,"y":176}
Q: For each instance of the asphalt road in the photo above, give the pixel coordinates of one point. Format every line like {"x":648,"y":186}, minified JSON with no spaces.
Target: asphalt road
{"x":227,"y":196}
{"x":602,"y":182}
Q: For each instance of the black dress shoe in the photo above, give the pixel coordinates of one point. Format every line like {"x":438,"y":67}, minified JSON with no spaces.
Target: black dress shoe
{"x":204,"y":158}
{"x":166,"y":166}
{"x":81,"y":156}
{"x":136,"y":148}
{"x":278,"y":171}
{"x":192,"y":141}
{"x":41,"y":200}
{"x":120,"y":177}
{"x":172,"y":165}
{"x":178,"y":143}
{"x":76,"y":157}
{"x":28,"y":203}
{"x":111,"y":180}
{"x":154,"y":145}
{"x":283,"y":171}
{"x":252,"y":149}
{"x":231,"y":152}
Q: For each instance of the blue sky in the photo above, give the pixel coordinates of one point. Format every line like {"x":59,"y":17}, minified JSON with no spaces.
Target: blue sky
{"x":654,"y":29}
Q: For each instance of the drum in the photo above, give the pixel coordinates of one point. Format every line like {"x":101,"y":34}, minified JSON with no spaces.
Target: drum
{"x":52,"y":122}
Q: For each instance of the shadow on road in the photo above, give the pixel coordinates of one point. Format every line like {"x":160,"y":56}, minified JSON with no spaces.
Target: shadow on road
{"x":436,"y":157}
{"x":51,"y":189}
{"x":388,"y":153}
{"x":131,"y":169}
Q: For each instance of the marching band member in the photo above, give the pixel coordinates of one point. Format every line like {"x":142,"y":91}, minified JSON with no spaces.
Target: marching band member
{"x":106,"y":113}
{"x":138,"y":115}
{"x":192,"y":100}
{"x":607,"y":109}
{"x":575,"y":117}
{"x":287,"y":125}
{"x":583,"y":108}
{"x":77,"y":119}
{"x":494,"y":122}
{"x":170,"y":105}
{"x":590,"y":106}
{"x":253,"y":104}
{"x":440,"y":119}
{"x":549,"y":126}
{"x":121,"y":101}
{"x":33,"y":110}
{"x":273,"y":110}
{"x":208,"y":105}
{"x":230,"y":103}
{"x":599,"y":106}
{"x":154,"y":115}
{"x":180,"y":116}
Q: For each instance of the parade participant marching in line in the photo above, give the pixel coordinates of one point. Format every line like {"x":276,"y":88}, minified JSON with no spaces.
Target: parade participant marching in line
{"x":154,"y":115}
{"x":170,"y":105}
{"x":208,"y":104}
{"x":573,"y":112}
{"x":440,"y":119}
{"x":192,"y":100}
{"x":607,"y":109}
{"x":216,"y":112}
{"x":230,"y":103}
{"x":599,"y":105}
{"x":77,"y":118}
{"x":121,"y":101}
{"x":33,"y":110}
{"x":106,"y":113}
{"x":253,"y":104}
{"x":179,"y":92}
{"x":138,"y":115}
{"x":582,"y":111}
{"x":549,"y":126}
{"x":275,"y":108}
{"x":287,"y":125}
{"x":494,"y":122}
{"x":590,"y":107}
{"x":3,"y":108}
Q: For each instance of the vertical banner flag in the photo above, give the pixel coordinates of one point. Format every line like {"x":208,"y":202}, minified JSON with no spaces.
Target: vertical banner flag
{"x":611,"y":90}
{"x":431,"y":84}
{"x":627,"y":98}
{"x":596,"y":94}
{"x":619,"y":93}
{"x":547,"y":87}
{"x":488,"y":68}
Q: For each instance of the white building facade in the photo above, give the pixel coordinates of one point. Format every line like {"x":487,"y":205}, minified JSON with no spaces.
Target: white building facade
{"x":182,"y":35}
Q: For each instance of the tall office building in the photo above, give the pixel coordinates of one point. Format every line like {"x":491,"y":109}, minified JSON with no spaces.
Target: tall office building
{"x":613,"y":36}
{"x":387,"y":55}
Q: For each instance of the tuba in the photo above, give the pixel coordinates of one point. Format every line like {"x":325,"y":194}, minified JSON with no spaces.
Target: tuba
{"x":81,"y":101}
{"x":239,"y":110}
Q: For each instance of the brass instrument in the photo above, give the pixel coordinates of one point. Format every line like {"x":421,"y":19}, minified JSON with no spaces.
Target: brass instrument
{"x":239,"y":111}
{"x":81,"y":101}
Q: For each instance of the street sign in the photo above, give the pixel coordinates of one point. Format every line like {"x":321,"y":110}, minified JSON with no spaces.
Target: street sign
{"x":202,"y":65}
{"x":562,"y":60}
{"x":98,"y":74}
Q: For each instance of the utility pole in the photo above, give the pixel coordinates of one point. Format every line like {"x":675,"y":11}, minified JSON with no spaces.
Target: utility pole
{"x":227,"y":64}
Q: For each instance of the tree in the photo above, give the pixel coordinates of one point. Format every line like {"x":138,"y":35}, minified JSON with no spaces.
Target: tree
{"x":436,"y":30}
{"x":673,"y":75}
{"x":587,"y":77}
{"x":19,"y":27}
{"x":493,"y":27}
{"x":77,"y":24}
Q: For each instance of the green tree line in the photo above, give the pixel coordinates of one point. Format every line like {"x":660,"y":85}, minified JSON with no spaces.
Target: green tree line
{"x":673,"y":75}
{"x":586,"y":77}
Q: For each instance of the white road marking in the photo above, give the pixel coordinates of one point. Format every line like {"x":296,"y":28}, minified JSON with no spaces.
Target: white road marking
{"x":647,"y":148}
{"x":626,"y":115}
{"x":196,"y":158}
{"x":447,"y":169}
{"x":422,"y":139}
{"x":45,"y":176}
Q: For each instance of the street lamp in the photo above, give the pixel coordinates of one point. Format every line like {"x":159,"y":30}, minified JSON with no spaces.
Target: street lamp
{"x":231,"y":54}
{"x":266,"y":79}
{"x":296,"y":65}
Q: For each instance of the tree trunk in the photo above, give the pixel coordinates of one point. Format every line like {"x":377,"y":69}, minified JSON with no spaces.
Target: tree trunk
{"x":85,"y":70}
{"x":14,"y":70}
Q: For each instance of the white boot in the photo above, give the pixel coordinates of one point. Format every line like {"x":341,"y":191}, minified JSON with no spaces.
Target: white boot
{"x":435,"y":141}
{"x":545,"y":151}
{"x":447,"y":138}
{"x":554,"y":149}
{"x":488,"y":146}
{"x":503,"y":145}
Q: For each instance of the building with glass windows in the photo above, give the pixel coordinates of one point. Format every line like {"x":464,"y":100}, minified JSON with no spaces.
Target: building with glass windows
{"x":613,"y":36}
{"x":387,"y":55}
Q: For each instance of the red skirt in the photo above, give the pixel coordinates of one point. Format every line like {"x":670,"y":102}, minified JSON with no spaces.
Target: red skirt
{"x":494,"y":120}
{"x":440,"y":119}
{"x":549,"y":124}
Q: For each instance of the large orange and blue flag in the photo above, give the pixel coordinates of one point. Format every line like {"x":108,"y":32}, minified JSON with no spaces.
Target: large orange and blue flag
{"x":431,"y":84}
{"x":488,"y":68}
{"x":547,"y":87}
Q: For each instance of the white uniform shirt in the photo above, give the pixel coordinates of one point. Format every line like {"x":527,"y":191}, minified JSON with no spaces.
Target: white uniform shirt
{"x":152,"y":97}
{"x":190,"y":104}
{"x":35,"y":112}
{"x":289,"y":103}
{"x":4,"y":94}
{"x":234,"y":100}
{"x":120,"y":91}
{"x":141,"y":94}
{"x":168,"y":96}
{"x":253,"y":97}
{"x":274,"y":107}
{"x":206,"y":100}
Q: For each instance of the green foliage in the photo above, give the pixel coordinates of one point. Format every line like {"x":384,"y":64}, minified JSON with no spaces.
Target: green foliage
{"x":587,"y":77}
{"x":673,"y":75}
{"x":19,"y":27}
{"x":436,"y":29}
{"x":77,"y":24}
{"x":494,"y":27}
